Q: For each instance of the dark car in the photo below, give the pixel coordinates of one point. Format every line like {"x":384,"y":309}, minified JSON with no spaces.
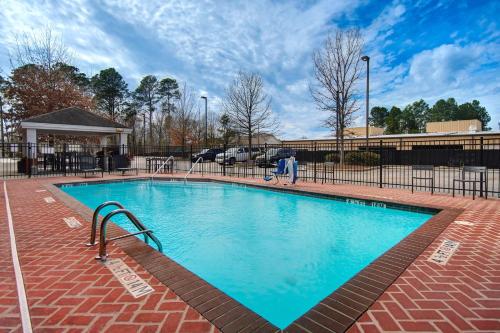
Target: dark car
{"x":273,"y":155}
{"x":207,"y":154}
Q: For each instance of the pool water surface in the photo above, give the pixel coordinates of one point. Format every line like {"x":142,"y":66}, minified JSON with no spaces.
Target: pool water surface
{"x":277,"y":253}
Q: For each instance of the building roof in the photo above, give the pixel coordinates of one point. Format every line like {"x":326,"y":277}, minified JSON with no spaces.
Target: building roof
{"x":74,"y":116}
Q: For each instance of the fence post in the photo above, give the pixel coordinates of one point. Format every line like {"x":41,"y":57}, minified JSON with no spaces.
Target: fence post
{"x":29,"y":160}
{"x":333,"y":172}
{"x":380,"y":164}
{"x":314,"y":160}
{"x":265,"y":159}
{"x":481,"y":161}
{"x":224,"y":161}
{"x":191,"y":157}
{"x":64,"y":159}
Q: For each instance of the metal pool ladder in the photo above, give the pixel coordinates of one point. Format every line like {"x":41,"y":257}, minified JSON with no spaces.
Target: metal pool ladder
{"x":192,"y":167}
{"x":148,"y":234}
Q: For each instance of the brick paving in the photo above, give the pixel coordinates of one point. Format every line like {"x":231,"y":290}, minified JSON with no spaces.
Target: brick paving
{"x":463,"y":295}
{"x":10,"y":319}
{"x":68,"y":290}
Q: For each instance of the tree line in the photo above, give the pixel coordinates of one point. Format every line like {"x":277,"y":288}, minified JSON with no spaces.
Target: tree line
{"x":414,"y":117}
{"x":160,"y":111}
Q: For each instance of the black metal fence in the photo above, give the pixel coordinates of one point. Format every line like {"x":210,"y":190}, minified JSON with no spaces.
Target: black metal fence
{"x":382,"y":164}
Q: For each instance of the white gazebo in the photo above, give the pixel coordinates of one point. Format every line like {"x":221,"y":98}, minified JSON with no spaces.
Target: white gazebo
{"x":76,"y":122}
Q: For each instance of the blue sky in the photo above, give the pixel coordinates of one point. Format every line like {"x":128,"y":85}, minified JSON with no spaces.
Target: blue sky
{"x":418,"y":49}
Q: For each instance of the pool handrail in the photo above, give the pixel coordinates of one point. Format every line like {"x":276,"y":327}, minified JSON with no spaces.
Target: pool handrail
{"x":171,"y":157}
{"x":95,"y":219}
{"x":148,"y":234}
{"x":192,"y":167}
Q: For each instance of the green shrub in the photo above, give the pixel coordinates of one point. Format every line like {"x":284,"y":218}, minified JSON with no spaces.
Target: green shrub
{"x":362,"y":158}
{"x":332,"y":157}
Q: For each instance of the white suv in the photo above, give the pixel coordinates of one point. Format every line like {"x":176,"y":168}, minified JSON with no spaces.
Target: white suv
{"x":232,"y":155}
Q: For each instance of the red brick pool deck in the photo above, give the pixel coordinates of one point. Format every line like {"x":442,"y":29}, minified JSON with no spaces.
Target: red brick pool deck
{"x":69,"y":291}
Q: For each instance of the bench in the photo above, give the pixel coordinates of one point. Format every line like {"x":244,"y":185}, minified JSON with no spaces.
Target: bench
{"x":124,"y":170}
{"x":93,"y":171}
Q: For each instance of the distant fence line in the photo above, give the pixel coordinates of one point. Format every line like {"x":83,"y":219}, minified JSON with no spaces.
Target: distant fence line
{"x":380,"y":164}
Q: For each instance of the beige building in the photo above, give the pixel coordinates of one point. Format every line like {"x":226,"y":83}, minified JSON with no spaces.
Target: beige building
{"x":461,"y":134}
{"x":361,"y":131}
{"x":258,"y":139}
{"x":472,"y":125}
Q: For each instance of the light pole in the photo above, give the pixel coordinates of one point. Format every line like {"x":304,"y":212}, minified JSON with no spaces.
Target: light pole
{"x":337,"y":102}
{"x":367,"y":59}
{"x":206,"y":120}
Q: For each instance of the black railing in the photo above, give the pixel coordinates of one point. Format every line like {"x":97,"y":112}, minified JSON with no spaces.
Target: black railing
{"x":382,"y":164}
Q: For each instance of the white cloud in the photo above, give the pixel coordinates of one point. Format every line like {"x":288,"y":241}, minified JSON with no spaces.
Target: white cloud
{"x":205,"y":43}
{"x":90,"y":47}
{"x":448,"y":71}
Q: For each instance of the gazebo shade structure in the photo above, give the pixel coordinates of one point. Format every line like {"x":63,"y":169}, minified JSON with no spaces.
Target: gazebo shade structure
{"x":73,"y":121}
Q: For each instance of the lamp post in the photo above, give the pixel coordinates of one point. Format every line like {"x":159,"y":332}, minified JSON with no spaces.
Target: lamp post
{"x":337,"y":103}
{"x":367,"y":59}
{"x":206,"y":120}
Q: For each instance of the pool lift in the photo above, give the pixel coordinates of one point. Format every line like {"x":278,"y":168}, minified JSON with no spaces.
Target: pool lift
{"x":148,"y":234}
{"x":161,"y":166}
{"x":192,"y":167}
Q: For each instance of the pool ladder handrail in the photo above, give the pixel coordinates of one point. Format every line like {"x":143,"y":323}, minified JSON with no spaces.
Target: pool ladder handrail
{"x":171,"y":157}
{"x":192,"y":167}
{"x":148,"y":234}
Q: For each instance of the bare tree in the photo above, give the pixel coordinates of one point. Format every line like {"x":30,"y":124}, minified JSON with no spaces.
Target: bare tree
{"x":184,"y":117}
{"x":44,"y":49}
{"x":336,"y":72}
{"x":249,"y":107}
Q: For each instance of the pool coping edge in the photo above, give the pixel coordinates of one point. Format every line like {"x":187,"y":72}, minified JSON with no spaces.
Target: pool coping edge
{"x":336,"y":312}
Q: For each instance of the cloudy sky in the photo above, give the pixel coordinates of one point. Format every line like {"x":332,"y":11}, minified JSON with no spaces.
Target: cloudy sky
{"x":419,"y":49}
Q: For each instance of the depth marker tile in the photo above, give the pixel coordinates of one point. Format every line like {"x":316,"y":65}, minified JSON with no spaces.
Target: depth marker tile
{"x":135,"y":285}
{"x":444,"y":252}
{"x":72,"y":222}
{"x":49,"y":200}
{"x":464,"y":223}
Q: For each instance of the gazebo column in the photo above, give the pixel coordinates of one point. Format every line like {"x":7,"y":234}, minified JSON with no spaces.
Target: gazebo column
{"x":123,"y":143}
{"x":30,"y":141}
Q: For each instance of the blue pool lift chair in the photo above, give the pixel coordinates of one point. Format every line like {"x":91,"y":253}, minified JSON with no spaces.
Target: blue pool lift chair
{"x":280,"y":171}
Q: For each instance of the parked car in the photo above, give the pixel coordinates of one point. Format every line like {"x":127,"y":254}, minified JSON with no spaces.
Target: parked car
{"x":232,"y":155}
{"x":207,"y":154}
{"x":256,"y":151}
{"x":239,"y":154}
{"x":273,"y":155}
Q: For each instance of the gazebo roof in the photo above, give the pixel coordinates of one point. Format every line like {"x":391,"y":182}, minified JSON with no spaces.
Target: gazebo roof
{"x":75,"y":116}
{"x":74,"y":120}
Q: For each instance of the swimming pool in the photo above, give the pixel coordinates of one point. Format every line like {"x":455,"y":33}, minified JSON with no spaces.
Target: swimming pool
{"x":277,"y":253}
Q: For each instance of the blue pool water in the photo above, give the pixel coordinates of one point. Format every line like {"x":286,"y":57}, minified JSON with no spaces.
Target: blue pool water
{"x":277,"y":253}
